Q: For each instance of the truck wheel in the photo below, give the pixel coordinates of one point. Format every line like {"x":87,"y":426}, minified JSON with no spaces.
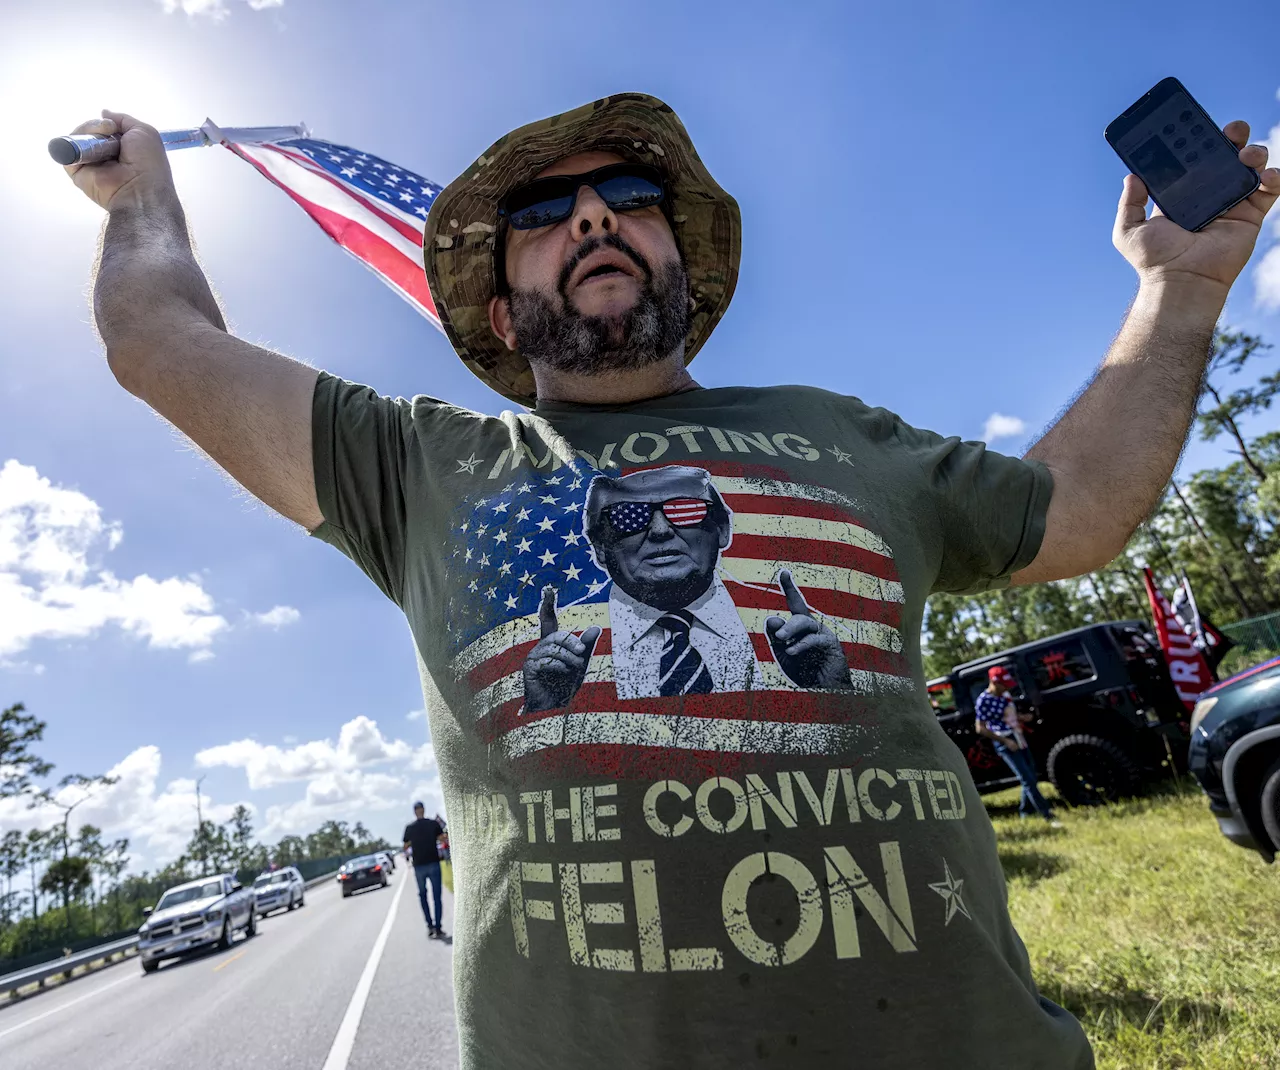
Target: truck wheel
{"x":251,"y":927}
{"x":1270,"y":803}
{"x":224,"y":941}
{"x":150,"y":965}
{"x":292,"y":903}
{"x":1091,"y":771}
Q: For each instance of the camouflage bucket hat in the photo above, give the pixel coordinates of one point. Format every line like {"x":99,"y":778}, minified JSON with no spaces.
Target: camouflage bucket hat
{"x":462,"y":229}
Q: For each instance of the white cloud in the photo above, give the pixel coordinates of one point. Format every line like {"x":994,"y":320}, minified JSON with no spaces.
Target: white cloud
{"x":52,"y":588}
{"x":1000,"y":426}
{"x":416,"y":715}
{"x":360,"y":743}
{"x":1266,"y":279}
{"x":277,"y":616}
{"x":216,"y":10}
{"x":159,"y":822}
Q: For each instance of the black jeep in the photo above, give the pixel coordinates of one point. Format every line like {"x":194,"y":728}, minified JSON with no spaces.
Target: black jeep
{"x":1106,"y":716}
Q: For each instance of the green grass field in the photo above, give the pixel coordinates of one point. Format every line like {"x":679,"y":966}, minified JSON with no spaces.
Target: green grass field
{"x":1161,"y":936}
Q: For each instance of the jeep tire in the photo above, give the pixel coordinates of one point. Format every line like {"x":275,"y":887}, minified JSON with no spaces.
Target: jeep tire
{"x":150,"y":965}
{"x":1269,"y":803}
{"x":1089,"y":771}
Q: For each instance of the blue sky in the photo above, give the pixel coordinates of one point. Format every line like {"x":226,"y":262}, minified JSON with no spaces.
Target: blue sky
{"x":927,"y":202}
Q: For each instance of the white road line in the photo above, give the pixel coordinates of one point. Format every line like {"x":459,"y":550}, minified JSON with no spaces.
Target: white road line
{"x":340,"y":1052}
{"x":69,"y":1003}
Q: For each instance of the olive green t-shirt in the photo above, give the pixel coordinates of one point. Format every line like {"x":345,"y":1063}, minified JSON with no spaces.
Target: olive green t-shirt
{"x":701,"y":811}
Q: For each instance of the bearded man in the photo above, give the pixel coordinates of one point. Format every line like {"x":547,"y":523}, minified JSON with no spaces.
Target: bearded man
{"x":797,"y":872}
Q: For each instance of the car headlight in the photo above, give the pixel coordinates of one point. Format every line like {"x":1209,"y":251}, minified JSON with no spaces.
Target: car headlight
{"x":213,"y":915}
{"x":1201,"y":711}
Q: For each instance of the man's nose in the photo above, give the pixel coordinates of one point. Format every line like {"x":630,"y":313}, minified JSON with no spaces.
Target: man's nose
{"x":591,"y":216}
{"x":660,"y":528}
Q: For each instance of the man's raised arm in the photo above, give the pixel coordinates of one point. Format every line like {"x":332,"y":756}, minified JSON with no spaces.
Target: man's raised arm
{"x":167,"y":342}
{"x":1113,"y":451}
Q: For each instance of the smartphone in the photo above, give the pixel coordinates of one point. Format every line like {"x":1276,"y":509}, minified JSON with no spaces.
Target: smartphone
{"x":1191,"y":170}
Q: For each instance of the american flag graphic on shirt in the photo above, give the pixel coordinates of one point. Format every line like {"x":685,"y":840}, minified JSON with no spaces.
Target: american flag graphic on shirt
{"x":529,"y":533}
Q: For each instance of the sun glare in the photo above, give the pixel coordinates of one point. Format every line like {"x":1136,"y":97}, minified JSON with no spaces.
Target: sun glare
{"x":51,"y":94}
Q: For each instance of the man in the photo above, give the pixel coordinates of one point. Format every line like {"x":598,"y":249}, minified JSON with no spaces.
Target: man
{"x":658,"y":535}
{"x":420,"y":837}
{"x":708,"y":880}
{"x":997,"y":718}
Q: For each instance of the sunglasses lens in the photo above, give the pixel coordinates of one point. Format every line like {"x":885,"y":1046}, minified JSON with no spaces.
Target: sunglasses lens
{"x":626,"y":518}
{"x":525,"y":214}
{"x":625,"y":191}
{"x":685,"y":512}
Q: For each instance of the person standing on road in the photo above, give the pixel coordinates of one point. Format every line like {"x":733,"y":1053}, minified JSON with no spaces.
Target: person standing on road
{"x":715,"y":873}
{"x":998,"y":719}
{"x":420,"y":837}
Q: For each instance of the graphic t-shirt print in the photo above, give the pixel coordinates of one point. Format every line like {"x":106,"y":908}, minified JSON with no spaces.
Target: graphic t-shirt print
{"x":640,"y":623}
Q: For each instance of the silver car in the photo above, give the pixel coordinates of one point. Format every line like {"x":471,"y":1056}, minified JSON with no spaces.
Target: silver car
{"x":281,"y":889}
{"x":196,"y":914}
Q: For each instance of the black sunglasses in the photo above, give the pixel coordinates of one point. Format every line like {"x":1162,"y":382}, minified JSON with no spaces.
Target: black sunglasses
{"x":624,"y":187}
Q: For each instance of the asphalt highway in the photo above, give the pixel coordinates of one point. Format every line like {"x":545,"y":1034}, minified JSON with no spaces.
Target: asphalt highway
{"x":309,"y":992}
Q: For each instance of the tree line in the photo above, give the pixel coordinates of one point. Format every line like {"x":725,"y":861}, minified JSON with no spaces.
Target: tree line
{"x":1220,"y":527}
{"x":65,"y":884}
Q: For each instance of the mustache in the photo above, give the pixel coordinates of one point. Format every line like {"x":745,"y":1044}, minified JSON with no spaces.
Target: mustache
{"x":590,"y":245}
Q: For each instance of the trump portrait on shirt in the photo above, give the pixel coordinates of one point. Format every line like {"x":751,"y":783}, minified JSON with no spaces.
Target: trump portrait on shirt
{"x":659,"y":534}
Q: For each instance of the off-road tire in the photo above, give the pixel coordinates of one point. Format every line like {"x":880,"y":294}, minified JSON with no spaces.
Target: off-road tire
{"x":1090,"y":771}
{"x":224,"y":941}
{"x":150,"y":965}
{"x":1269,"y":803}
{"x":251,"y":926}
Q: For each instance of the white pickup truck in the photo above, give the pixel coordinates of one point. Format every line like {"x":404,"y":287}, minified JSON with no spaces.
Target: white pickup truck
{"x":204,"y":911}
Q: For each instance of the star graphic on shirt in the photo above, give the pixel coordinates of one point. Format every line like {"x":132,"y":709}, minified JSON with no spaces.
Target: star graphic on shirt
{"x":546,"y":524}
{"x":499,"y":536}
{"x":470,"y":464}
{"x":523,"y":546}
{"x":525,"y":488}
{"x":949,"y":889}
{"x":595,"y":587}
{"x":841,"y":456}
{"x":526,"y":579}
{"x":548,"y":499}
{"x":504,"y":568}
{"x":547,"y":558}
{"x":555,"y":481}
{"x":473,"y":586}
{"x":510,"y":602}
{"x":573,"y":572}
{"x":501,"y":507}
{"x":522,"y":515}
{"x":571,"y":539}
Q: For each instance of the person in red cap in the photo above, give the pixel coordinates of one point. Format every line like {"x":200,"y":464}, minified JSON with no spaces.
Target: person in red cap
{"x":998,"y":719}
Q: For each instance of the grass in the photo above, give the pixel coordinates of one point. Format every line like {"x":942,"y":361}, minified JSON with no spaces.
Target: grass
{"x":1161,"y":936}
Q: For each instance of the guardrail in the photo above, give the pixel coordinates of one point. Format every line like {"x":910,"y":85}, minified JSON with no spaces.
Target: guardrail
{"x":11,"y":984}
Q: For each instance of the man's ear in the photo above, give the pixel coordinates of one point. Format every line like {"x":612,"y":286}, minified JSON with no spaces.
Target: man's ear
{"x":500,"y":321}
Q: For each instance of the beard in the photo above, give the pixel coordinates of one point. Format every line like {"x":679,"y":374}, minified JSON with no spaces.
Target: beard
{"x":554,"y":333}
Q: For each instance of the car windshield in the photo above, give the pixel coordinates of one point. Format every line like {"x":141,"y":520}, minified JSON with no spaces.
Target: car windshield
{"x":271,"y":878}
{"x":189,"y":895}
{"x":361,"y":863}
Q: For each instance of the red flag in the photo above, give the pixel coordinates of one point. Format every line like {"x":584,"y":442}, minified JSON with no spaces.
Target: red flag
{"x":1187,"y":666}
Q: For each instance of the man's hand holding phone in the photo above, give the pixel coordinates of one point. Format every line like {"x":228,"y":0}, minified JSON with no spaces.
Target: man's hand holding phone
{"x":1162,"y":251}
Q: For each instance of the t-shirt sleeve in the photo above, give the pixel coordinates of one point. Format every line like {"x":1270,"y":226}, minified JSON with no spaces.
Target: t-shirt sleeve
{"x":990,"y":510}
{"x":359,"y":451}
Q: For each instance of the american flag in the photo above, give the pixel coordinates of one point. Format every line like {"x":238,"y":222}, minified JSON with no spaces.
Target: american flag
{"x":375,"y":210}
{"x":509,"y":542}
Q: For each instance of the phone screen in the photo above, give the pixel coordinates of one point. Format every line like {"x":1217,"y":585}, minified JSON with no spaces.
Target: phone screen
{"x":1191,"y":170}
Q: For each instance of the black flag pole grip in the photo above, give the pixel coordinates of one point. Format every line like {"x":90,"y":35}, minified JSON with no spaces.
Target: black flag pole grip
{"x":98,"y":148}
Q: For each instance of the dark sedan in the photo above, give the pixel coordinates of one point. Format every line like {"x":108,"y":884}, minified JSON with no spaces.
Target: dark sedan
{"x":1235,"y":754}
{"x":362,"y":873}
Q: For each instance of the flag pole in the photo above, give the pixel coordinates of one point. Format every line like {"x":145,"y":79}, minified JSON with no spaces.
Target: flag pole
{"x":95,"y":148}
